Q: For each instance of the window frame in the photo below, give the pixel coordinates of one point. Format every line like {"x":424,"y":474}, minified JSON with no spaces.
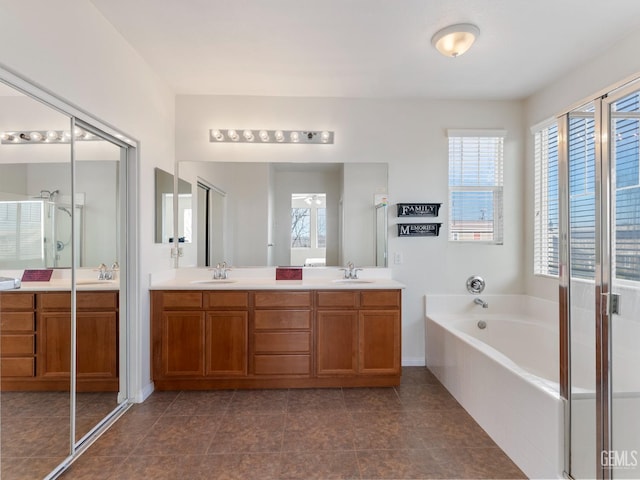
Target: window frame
{"x":495,"y":188}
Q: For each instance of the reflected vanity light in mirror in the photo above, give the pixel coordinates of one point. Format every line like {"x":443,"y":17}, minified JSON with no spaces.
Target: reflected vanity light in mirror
{"x":45,"y":137}
{"x":217,"y":135}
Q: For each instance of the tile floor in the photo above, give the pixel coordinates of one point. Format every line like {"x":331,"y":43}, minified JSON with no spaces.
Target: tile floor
{"x":34,"y":433}
{"x":414,"y":431}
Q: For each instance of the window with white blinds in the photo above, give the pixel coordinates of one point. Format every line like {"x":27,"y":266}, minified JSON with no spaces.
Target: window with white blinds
{"x":475,"y":185}
{"x":626,"y":164}
{"x":21,"y":233}
{"x":546,"y":213}
{"x":582,"y":217}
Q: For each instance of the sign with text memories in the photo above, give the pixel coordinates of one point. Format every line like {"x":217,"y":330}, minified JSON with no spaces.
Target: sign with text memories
{"x":419,"y":229}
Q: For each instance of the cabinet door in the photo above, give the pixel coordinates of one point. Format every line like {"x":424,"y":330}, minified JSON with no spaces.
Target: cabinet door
{"x":337,"y":342}
{"x":182,"y":343}
{"x":54,"y":344}
{"x":226,"y":343}
{"x":96,"y":345}
{"x":379,"y":342}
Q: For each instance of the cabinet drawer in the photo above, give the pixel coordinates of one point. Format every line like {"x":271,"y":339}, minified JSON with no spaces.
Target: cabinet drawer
{"x":380,"y":298}
{"x":84,"y":301}
{"x":16,"y":322}
{"x":17,"y":367}
{"x":282,"y":319}
{"x":282,"y":364}
{"x":97,"y":300}
{"x":17,"y":345}
{"x":185,"y":299}
{"x":282,"y":342}
{"x":226,"y":300}
{"x":54,"y":301}
{"x":16,"y":301}
{"x":337,"y":299}
{"x":282,"y":299}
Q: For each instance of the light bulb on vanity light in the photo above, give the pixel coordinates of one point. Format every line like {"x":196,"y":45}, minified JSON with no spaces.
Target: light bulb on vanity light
{"x":279,"y":136}
{"x":36,"y":136}
{"x":294,"y":137}
{"x":66,"y":136}
{"x":325,"y":136}
{"x":233,"y":135}
{"x":217,"y":134}
{"x":7,"y":137}
{"x":264,"y":135}
{"x":248,"y":135}
{"x":52,"y":135}
{"x":78,"y":133}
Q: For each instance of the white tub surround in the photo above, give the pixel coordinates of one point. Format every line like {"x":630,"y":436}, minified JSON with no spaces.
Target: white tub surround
{"x":263,"y":278}
{"x":504,"y":375}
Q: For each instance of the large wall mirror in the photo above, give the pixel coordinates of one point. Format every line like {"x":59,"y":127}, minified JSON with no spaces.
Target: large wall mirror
{"x":62,"y":205}
{"x":268,"y":214}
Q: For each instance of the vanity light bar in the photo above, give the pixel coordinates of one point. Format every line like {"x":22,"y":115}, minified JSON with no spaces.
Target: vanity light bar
{"x":270,"y":136}
{"x":45,"y":136}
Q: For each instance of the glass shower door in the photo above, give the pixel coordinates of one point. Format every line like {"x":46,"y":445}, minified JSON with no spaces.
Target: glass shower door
{"x":581,"y":267}
{"x":621,"y":457}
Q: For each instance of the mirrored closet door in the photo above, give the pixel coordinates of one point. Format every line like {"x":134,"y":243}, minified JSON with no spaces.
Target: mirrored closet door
{"x":63,"y":358}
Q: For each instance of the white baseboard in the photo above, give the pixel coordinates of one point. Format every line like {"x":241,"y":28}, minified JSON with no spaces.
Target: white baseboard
{"x":413,"y":362}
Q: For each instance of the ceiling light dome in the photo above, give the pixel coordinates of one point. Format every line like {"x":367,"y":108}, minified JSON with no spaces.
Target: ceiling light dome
{"x":454,"y":40}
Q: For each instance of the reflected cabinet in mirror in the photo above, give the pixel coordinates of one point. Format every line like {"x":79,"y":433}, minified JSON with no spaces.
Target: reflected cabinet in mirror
{"x":62,"y":211}
{"x":268,"y":214}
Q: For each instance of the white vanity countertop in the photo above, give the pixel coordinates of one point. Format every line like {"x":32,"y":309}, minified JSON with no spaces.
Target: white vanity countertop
{"x":86,"y":280}
{"x":313,"y":278}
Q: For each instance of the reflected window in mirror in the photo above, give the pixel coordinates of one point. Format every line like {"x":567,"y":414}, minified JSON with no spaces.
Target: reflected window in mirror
{"x":308,"y":229}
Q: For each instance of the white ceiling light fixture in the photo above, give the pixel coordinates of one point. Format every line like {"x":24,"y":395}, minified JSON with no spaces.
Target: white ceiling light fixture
{"x":455,"y":40}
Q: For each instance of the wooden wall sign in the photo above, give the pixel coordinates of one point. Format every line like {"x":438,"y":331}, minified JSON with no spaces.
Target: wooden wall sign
{"x":419,"y":229}
{"x":418,"y":209}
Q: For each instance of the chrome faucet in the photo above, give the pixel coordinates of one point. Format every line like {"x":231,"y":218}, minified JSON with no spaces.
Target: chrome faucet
{"x":479,"y":301}
{"x":351,"y":272}
{"x":221,"y":272}
{"x":105,"y":273}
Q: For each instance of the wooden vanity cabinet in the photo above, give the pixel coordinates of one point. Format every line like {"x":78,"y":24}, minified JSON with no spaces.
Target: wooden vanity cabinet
{"x":282,"y":333}
{"x":199,"y":336}
{"x":44,"y":318}
{"x":275,"y":338}
{"x":17,"y":335}
{"x":358,"y":332}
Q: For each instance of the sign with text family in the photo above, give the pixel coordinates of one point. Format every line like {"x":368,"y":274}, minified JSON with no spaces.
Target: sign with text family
{"x":418,"y":209}
{"x":419,"y":229}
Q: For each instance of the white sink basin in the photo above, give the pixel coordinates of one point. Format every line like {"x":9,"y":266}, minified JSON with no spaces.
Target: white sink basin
{"x":213,"y":281}
{"x":352,"y":280}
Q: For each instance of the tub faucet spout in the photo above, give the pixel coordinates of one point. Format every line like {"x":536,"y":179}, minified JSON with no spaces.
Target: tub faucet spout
{"x":479,"y":301}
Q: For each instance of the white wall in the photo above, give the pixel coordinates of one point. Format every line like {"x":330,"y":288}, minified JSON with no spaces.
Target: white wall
{"x":621,"y":62}
{"x":410,"y":136}
{"x":71,"y":50}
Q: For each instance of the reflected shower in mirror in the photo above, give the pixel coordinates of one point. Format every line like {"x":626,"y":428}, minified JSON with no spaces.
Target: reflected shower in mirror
{"x":253,"y":225}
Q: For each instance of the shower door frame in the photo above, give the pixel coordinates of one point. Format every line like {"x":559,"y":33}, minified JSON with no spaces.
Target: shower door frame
{"x":603,"y":268}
